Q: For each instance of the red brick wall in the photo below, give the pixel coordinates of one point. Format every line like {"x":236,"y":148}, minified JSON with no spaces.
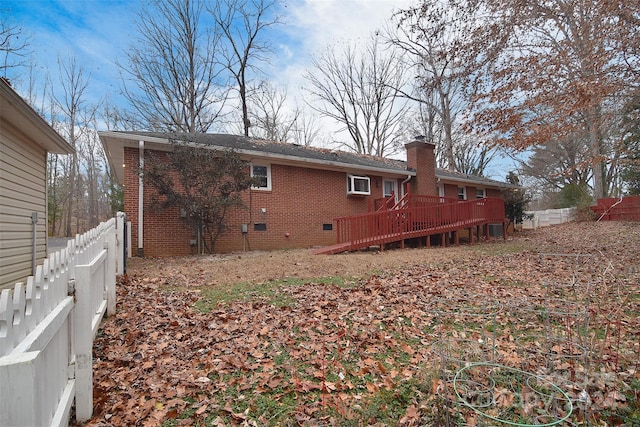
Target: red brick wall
{"x":300,"y":202}
{"x":164,"y":233}
{"x":420,"y":156}
{"x":494,"y":193}
{"x":451,"y":190}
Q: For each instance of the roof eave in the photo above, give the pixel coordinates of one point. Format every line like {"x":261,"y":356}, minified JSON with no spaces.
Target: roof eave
{"x":115,"y":141}
{"x":495,"y":184}
{"x":15,"y":110}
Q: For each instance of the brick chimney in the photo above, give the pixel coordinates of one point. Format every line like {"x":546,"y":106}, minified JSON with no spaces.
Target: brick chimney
{"x":422,"y":159}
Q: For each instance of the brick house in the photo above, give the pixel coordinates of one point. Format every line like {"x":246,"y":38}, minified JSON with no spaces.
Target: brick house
{"x":303,"y":190}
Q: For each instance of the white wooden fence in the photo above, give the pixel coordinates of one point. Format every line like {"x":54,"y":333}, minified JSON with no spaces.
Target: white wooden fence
{"x":47,"y":327}
{"x":548,"y":217}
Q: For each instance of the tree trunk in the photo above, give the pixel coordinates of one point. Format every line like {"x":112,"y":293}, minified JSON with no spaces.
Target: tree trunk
{"x":596,"y":154}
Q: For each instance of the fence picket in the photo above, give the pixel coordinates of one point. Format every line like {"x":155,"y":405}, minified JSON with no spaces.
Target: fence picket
{"x":6,"y":322}
{"x":19,"y":303}
{"x":47,"y":331}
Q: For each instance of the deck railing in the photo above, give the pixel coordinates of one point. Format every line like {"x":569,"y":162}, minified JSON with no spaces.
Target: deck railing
{"x":420,"y":216}
{"x":47,"y":326}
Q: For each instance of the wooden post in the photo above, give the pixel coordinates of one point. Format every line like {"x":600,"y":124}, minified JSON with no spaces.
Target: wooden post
{"x":19,"y":392}
{"x":83,"y":338}
{"x":120,"y":239}
{"x":110,"y":272}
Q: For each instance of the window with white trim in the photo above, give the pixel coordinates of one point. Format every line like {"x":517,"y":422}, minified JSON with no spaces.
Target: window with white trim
{"x":462,"y":193}
{"x":389,"y":187}
{"x":263,"y":175}
{"x":358,"y":185}
{"x":481,"y":193}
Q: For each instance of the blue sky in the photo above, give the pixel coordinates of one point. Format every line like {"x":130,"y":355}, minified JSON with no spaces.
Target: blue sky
{"x":98,"y":32}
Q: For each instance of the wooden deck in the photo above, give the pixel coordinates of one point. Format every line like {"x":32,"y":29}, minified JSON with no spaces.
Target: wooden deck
{"x":416,"y":218}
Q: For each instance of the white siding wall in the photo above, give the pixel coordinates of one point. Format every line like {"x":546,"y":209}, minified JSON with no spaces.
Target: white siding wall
{"x":23,"y":166}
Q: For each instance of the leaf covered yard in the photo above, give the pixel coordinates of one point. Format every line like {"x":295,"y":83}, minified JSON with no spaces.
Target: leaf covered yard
{"x":377,"y":338}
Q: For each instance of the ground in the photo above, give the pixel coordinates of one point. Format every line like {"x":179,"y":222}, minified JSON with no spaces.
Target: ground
{"x":380,"y":338}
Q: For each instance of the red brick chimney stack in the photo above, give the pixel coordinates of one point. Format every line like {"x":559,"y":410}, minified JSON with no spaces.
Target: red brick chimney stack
{"x":422,"y":159}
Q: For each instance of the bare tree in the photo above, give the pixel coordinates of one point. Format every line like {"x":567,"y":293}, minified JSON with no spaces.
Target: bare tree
{"x":243,"y":24}
{"x":359,"y":88}
{"x":94,"y":169}
{"x":269,"y":113}
{"x":72,"y":103}
{"x":306,"y":130}
{"x":172,"y":79}
{"x":472,"y":157}
{"x":14,"y":45}
{"x":434,"y":63}
{"x":431,"y":35}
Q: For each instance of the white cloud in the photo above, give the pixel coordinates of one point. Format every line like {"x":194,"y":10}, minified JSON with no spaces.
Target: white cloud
{"x":312,"y":26}
{"x":325,"y":22}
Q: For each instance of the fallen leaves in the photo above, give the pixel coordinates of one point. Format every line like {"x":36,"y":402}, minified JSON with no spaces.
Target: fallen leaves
{"x":337,"y":352}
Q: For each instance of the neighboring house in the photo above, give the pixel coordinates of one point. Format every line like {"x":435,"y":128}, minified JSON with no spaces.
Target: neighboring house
{"x":303,"y":190}
{"x":25,"y":140}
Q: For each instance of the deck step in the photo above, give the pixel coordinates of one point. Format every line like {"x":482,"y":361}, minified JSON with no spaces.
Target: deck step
{"x":331,"y":250}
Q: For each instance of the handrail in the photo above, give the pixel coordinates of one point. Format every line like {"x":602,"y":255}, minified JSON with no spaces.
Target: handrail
{"x":419,"y":215}
{"x":387,"y":203}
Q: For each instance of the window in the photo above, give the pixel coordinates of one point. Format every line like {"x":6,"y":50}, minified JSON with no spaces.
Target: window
{"x":389,"y":187}
{"x":462,"y":193}
{"x":358,"y":185}
{"x":263,"y":175}
{"x":327,"y":227}
{"x":260,"y":227}
{"x":480,"y":193}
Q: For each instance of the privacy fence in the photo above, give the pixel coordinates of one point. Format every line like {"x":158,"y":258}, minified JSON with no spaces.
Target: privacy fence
{"x":548,"y":217}
{"x":618,"y":209}
{"x":47,"y":327}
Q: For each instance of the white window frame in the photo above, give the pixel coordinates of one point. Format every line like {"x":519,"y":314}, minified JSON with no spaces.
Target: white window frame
{"x":351,"y":180}
{"x":481,"y":193}
{"x":268,"y":166}
{"x":462,"y":193}
{"x":394,"y":187}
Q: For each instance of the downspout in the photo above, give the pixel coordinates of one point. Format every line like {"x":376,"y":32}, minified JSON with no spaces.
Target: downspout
{"x":141,"y":200}
{"x":403,"y":183}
